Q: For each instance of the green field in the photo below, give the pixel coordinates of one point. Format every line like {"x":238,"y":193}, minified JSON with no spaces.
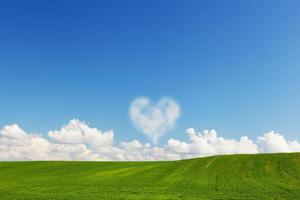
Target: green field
{"x":262,"y":176}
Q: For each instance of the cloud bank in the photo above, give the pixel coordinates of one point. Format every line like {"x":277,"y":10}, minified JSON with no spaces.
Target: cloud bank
{"x":78,"y":141}
{"x":154,"y":120}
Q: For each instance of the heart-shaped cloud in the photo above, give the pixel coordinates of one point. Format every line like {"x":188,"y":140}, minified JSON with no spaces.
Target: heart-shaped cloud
{"x":154,"y":120}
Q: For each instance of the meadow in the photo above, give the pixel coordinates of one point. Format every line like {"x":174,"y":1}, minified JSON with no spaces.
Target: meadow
{"x":260,"y":176}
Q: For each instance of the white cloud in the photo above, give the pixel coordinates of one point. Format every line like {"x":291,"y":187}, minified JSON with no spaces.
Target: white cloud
{"x":208,"y":143}
{"x":78,"y":141}
{"x":16,"y":144}
{"x":77,"y":132}
{"x":274,"y":142}
{"x":154,"y":120}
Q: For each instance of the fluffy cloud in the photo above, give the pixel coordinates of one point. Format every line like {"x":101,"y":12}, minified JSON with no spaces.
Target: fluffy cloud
{"x":154,"y":119}
{"x":208,"y":143}
{"x":77,"y":132}
{"x":78,"y":141}
{"x":274,"y":142}
{"x":16,"y":144}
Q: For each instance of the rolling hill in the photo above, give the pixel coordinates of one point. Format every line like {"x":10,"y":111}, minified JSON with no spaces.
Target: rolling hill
{"x":261,"y":176}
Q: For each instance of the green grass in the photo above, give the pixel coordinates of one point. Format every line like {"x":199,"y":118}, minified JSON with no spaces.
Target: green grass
{"x":262,"y":176}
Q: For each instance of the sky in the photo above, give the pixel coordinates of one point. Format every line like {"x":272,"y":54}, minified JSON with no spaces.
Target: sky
{"x":231,"y":66}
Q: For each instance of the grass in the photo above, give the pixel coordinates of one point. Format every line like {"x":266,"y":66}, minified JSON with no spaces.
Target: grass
{"x":261,"y":176}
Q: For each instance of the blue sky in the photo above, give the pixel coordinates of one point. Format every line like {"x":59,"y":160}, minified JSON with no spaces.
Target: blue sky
{"x":231,"y":65}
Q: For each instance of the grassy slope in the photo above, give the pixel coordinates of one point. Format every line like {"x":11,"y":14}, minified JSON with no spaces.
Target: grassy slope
{"x":273,"y":176}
